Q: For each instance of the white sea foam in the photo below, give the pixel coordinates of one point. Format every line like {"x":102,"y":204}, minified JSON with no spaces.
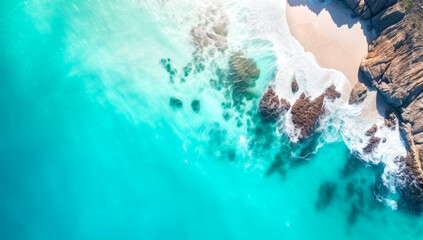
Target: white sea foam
{"x":250,"y":21}
{"x":268,"y":20}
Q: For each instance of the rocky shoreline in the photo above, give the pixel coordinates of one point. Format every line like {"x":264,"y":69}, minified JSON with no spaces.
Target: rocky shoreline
{"x":394,"y":66}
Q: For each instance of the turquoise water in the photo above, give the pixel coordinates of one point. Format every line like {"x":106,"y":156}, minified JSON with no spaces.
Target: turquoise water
{"x":91,"y":148}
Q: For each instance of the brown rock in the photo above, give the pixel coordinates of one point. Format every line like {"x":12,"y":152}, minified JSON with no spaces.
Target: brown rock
{"x":390,"y":119}
{"x":294,"y":86}
{"x":305,"y":113}
{"x":271,"y":107}
{"x":331,"y":93}
{"x":394,"y":66}
{"x":358,"y":93}
{"x":373,"y":143}
{"x":372,"y":130}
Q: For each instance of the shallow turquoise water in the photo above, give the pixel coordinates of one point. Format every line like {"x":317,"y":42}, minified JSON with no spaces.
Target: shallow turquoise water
{"x":91,"y":149}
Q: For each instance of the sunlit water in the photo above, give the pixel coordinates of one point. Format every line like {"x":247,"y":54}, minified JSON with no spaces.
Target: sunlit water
{"x":91,"y":148}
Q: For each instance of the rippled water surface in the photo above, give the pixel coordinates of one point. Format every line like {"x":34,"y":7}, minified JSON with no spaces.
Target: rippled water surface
{"x":118,"y":121}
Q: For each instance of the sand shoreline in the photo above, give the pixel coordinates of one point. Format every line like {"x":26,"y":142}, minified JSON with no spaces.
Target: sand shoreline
{"x":336,"y":40}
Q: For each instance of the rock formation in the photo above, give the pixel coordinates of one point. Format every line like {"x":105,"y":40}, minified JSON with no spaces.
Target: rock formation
{"x":294,"y":86}
{"x":372,"y":131}
{"x":394,"y":66}
{"x":373,"y":143}
{"x":271,"y":106}
{"x":331,"y":93}
{"x":358,"y":93}
{"x":305,"y":113}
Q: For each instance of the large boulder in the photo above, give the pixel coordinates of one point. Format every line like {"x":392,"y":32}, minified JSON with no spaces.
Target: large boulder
{"x":411,"y":193}
{"x":358,"y":93}
{"x":394,"y":66}
{"x":305,"y":113}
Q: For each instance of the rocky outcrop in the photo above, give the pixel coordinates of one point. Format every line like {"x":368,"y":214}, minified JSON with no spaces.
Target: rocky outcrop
{"x":373,"y":143}
{"x":305,"y":113}
{"x":372,"y":131}
{"x":358,"y":93}
{"x":210,"y":34}
{"x":271,"y":106}
{"x":394,"y":66}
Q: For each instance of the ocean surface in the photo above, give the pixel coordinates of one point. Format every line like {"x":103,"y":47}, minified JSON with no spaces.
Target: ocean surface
{"x":117,"y":122}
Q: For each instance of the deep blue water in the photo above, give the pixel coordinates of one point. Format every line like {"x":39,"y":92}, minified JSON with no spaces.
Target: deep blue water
{"x":91,"y":149}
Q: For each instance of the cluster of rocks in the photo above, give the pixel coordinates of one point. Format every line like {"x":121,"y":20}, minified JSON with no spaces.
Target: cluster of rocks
{"x":305,"y":111}
{"x":271,"y":106}
{"x":176,"y":104}
{"x":244,"y":71}
{"x":372,"y":131}
{"x":394,"y":67}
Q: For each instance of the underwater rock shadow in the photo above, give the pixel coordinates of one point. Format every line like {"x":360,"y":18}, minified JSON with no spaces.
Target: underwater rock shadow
{"x":285,"y":160}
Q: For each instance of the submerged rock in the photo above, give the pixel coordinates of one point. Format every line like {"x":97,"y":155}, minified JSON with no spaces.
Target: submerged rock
{"x":305,"y":113}
{"x":175,"y":103}
{"x":294,"y":86}
{"x":271,"y":106}
{"x":195,"y":105}
{"x":358,"y":93}
{"x":244,"y":71}
{"x":326,"y":194}
{"x":372,"y":130}
{"x":411,"y":193}
{"x":372,"y":145}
